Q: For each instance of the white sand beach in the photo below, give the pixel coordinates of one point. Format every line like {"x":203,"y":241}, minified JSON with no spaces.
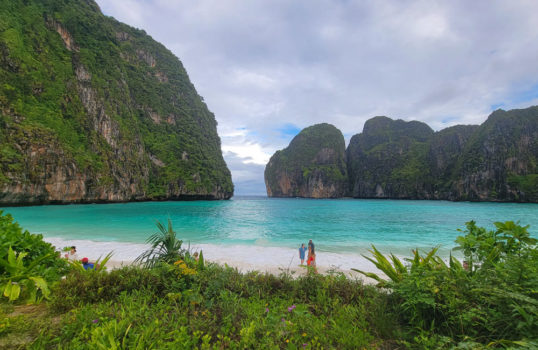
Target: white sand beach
{"x":245,"y":258}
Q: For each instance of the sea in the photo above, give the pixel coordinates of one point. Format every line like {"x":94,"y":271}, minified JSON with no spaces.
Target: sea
{"x":256,"y":232}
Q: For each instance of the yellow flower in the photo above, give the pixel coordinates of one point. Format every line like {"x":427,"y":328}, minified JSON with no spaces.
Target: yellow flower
{"x":304,"y":334}
{"x":287,"y":340}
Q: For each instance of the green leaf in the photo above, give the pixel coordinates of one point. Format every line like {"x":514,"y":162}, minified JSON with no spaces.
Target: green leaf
{"x":7,"y":289}
{"x":41,"y":284}
{"x":370,"y":275}
{"x":12,"y":260}
{"x":201,"y":260}
{"x":14,"y":291}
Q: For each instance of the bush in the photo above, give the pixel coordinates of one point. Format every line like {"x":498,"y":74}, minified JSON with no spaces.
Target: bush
{"x":79,"y":288}
{"x":493,"y":300}
{"x":26,"y":260}
{"x":184,"y":305}
{"x":12,"y":235}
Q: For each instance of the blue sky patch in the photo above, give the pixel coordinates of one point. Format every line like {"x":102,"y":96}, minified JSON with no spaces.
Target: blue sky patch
{"x":496,"y":106}
{"x":289,"y":130}
{"x":526,"y":95}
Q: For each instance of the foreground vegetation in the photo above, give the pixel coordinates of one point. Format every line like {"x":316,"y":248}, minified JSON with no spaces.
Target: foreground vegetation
{"x":426,"y":303}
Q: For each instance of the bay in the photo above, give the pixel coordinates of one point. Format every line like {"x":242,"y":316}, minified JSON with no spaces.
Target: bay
{"x":337,"y":226}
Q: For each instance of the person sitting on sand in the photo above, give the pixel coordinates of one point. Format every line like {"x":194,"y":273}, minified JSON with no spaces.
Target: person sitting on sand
{"x":87,"y":264}
{"x":72,"y":254}
{"x":302,"y":250}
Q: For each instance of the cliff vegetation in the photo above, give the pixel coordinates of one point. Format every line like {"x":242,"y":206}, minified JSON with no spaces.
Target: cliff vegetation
{"x":93,"y":110}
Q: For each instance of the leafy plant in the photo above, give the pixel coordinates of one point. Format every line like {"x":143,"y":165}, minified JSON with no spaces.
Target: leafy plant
{"x":494,"y":298}
{"x":51,"y":267}
{"x":396,"y":271}
{"x":21,"y":279}
{"x":165,"y":247}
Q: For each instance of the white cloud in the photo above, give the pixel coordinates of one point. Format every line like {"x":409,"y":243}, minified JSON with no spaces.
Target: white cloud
{"x":252,"y":153}
{"x":262,"y":65}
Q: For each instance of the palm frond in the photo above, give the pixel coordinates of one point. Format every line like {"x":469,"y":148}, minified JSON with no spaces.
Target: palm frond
{"x":165,"y":247}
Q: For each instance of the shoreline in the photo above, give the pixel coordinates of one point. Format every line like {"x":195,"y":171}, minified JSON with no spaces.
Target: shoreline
{"x":273,"y":260}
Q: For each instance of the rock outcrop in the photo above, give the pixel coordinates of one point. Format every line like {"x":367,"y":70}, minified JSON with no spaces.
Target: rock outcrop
{"x":312,"y":166}
{"x":496,"y":161}
{"x":387,"y":159}
{"x":93,"y":110}
{"x":500,"y":160}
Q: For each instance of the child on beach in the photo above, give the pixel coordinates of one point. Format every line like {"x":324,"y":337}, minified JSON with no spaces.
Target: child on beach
{"x":302,"y":250}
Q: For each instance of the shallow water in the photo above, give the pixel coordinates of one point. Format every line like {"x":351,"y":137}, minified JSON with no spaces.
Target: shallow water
{"x":347,"y":226}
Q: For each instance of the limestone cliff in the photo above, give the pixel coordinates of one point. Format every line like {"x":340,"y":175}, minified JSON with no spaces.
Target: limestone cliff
{"x":500,"y":160}
{"x":312,"y":166}
{"x":496,"y":161}
{"x":93,"y":110}
{"x":387,"y":159}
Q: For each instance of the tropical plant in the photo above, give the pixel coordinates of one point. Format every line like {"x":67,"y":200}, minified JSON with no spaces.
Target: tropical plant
{"x":21,"y":279}
{"x":12,"y":235}
{"x":493,"y":298}
{"x":165,"y":247}
{"x":396,"y":271}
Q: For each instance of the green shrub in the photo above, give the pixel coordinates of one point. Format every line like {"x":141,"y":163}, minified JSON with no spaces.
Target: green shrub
{"x":494,"y":300}
{"x":185,"y":306}
{"x":79,"y":288}
{"x":12,"y":235}
{"x":27,"y":263}
{"x":22,"y":280}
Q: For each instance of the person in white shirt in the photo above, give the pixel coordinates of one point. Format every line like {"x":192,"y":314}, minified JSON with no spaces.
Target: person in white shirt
{"x":72,"y":254}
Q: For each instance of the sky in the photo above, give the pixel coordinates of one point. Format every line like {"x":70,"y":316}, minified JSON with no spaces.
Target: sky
{"x":268,"y":69}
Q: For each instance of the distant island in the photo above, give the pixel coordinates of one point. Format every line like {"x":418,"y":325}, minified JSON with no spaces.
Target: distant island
{"x":395,"y":159}
{"x":93,"y":110}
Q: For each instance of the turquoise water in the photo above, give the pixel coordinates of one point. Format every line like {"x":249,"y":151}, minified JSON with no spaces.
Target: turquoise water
{"x":346,"y":225}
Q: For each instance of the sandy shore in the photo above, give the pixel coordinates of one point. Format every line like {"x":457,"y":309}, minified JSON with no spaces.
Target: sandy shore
{"x":274,"y":260}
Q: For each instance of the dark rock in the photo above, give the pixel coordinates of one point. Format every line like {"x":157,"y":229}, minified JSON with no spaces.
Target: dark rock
{"x":312,"y":166}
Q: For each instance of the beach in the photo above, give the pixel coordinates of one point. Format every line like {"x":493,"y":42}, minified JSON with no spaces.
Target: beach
{"x":274,"y":260}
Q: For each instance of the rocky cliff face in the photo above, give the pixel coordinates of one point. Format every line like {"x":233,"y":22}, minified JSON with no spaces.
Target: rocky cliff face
{"x":386,"y":160}
{"x":312,"y":166}
{"x":496,"y":161}
{"x":96,"y":111}
{"x":500,"y":160}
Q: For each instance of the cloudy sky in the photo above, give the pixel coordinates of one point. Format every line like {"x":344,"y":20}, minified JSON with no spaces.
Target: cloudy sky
{"x":269,"y":68}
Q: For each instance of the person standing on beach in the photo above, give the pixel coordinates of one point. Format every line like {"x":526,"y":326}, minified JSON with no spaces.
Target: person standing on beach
{"x":311,"y":261}
{"x":302,"y":250}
